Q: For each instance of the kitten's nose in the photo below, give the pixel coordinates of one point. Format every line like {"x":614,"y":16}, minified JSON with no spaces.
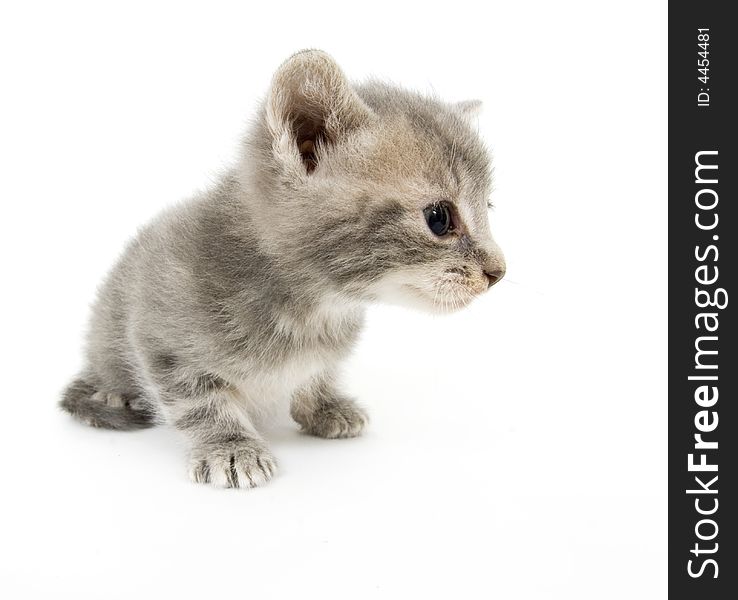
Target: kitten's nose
{"x":494,"y":275}
{"x":493,"y":263}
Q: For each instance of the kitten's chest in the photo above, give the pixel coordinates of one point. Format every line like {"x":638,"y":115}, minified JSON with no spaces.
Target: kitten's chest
{"x":264,"y":393}
{"x":299,"y":350}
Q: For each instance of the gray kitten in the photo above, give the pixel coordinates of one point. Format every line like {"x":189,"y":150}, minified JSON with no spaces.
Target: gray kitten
{"x":251,"y":294}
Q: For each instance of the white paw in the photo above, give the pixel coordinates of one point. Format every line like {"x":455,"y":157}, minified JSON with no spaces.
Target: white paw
{"x":244,"y":463}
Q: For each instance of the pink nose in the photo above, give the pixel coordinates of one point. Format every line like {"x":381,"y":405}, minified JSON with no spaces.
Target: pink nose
{"x":494,"y":276}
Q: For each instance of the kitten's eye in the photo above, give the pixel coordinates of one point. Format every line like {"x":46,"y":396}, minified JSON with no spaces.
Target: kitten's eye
{"x":438,"y":217}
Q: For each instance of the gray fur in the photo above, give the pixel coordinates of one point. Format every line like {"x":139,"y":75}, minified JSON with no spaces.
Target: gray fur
{"x":252,"y":293}
{"x":110,"y":411}
{"x":321,"y":411}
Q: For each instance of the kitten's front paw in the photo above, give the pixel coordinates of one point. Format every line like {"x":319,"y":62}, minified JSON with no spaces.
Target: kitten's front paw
{"x":340,"y":418}
{"x":244,"y":463}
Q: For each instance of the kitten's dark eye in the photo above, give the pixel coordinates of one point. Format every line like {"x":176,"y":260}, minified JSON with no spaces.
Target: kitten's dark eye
{"x":438,"y":217}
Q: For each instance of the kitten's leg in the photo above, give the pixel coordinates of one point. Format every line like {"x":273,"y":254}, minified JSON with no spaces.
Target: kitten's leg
{"x":324,"y":412}
{"x":226,"y":449}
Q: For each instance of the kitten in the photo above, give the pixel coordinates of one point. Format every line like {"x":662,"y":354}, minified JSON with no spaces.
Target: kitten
{"x":252,"y":293}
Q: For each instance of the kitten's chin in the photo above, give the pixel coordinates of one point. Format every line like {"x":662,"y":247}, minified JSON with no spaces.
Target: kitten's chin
{"x":423,"y":292}
{"x":410,"y":296}
{"x":444,"y":306}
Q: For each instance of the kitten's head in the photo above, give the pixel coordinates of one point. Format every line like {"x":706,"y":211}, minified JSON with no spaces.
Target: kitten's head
{"x":372,"y":190}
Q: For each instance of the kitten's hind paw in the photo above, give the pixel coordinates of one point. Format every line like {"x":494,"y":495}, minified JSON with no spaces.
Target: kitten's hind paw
{"x":340,"y":418}
{"x":244,"y":463}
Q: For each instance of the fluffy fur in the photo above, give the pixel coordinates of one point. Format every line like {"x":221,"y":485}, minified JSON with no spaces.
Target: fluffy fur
{"x":251,"y":294}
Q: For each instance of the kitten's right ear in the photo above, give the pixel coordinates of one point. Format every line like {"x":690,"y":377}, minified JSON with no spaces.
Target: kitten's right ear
{"x":310,"y":106}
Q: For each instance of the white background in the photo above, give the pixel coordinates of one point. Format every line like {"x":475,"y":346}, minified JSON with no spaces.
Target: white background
{"x":516,"y":450}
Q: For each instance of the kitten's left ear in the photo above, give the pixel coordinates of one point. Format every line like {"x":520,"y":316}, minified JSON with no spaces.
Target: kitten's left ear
{"x":310,"y":106}
{"x":469,"y":108}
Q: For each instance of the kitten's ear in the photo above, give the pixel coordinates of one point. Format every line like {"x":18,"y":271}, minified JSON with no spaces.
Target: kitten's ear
{"x":469,"y":108}
{"x":310,"y":106}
